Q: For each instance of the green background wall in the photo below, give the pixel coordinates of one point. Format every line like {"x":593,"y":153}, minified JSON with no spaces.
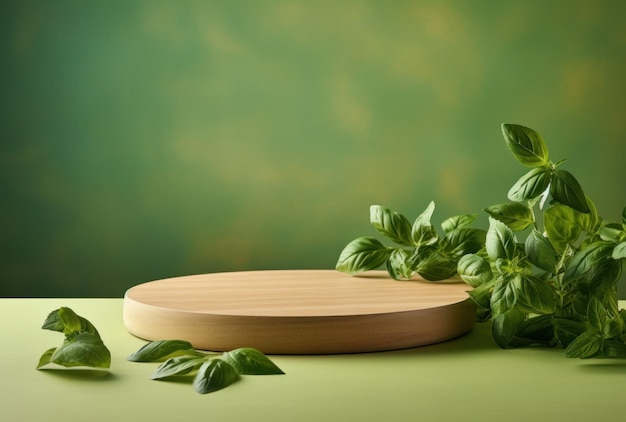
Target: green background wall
{"x":151,"y":139}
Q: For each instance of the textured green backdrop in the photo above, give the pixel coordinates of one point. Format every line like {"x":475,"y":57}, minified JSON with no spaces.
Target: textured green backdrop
{"x":150,"y":139}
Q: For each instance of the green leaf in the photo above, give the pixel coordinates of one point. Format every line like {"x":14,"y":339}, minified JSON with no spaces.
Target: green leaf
{"x":584,"y":262}
{"x":84,"y":349}
{"x":526,"y":144}
{"x":362,"y":254}
{"x":565,"y":189}
{"x":611,"y":232}
{"x":535,"y":295}
{"x":249,"y":361}
{"x":500,"y":241}
{"x":434,"y":265}
{"x":46,"y":357}
{"x":619,"y":252}
{"x":540,"y":252}
{"x":71,"y":322}
{"x":531,"y":185}
{"x":391,"y":224}
{"x":422,"y":232}
{"x":564,"y":225}
{"x":614,"y":349}
{"x":457,"y":222}
{"x":515,"y":215}
{"x":587,"y":345}
{"x":505,"y":326}
{"x":596,"y":314}
{"x":398,"y":265}
{"x":53,"y":322}
{"x":537,"y":330}
{"x":504,"y":295}
{"x":474,"y":270}
{"x":481,"y":296}
{"x":177,"y":366}
{"x":214,"y":375}
{"x":461,"y":241}
{"x":161,"y":350}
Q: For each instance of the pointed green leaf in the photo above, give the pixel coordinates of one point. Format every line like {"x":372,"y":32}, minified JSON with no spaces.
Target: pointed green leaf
{"x":504,"y":296}
{"x":161,"y":350}
{"x":564,"y":225}
{"x":505,"y":326}
{"x":214,"y":375}
{"x":434,"y":266}
{"x":536,"y":295}
{"x":459,"y":242}
{"x":362,"y":254}
{"x":585,"y":346}
{"x":177,"y":366}
{"x":53,"y":322}
{"x":526,"y":144}
{"x":457,"y":222}
{"x":565,"y":189}
{"x":585,"y":261}
{"x":249,"y":361}
{"x":540,"y":252}
{"x":566,"y":330}
{"x":515,"y":215}
{"x":500,"y":241}
{"x":619,"y":252}
{"x":84,"y":349}
{"x":391,"y":224}
{"x":46,"y":357}
{"x":422,"y":232}
{"x":531,"y":185}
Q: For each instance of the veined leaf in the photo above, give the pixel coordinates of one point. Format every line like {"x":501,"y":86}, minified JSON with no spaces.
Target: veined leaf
{"x":474,"y":270}
{"x":566,"y":330}
{"x":84,"y":349}
{"x":422,"y":232}
{"x":505,"y":294}
{"x":515,"y":215}
{"x":54,"y":322}
{"x":434,"y":265}
{"x":535,"y":295}
{"x":584,"y":261}
{"x":587,"y":345}
{"x":177,"y":366}
{"x":565,"y":189}
{"x":505,"y":327}
{"x":619,"y":252}
{"x":391,"y":224}
{"x":540,"y":252}
{"x":457,"y":222}
{"x":362,"y":254}
{"x":531,"y":185}
{"x":459,"y":242}
{"x":500,"y":241}
{"x":564,"y":225}
{"x":161,"y":350}
{"x":214,"y":375}
{"x":526,"y":144}
{"x":249,"y":361}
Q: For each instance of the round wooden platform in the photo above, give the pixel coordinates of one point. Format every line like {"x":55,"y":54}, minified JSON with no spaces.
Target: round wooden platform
{"x":299,"y":311}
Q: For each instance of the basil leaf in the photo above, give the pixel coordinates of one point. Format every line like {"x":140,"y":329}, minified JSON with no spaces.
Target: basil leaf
{"x":505,"y":327}
{"x":515,"y":215}
{"x":46,"y":357}
{"x":531,"y":185}
{"x":180,"y":365}
{"x":457,"y":222}
{"x":422,"y":232}
{"x":611,"y":232}
{"x":249,"y":361}
{"x":585,"y":261}
{"x":434,"y":265}
{"x":564,"y":225}
{"x":461,"y":241}
{"x":537,"y":330}
{"x":526,"y":144}
{"x":619,"y":252}
{"x":160,"y":350}
{"x":566,"y":190}
{"x":474,"y":270}
{"x":587,"y":345}
{"x":362,"y":254}
{"x":540,"y":252}
{"x":500,"y":241}
{"x":391,"y":224}
{"x":535,"y":295}
{"x":83,"y":349}
{"x":614,"y":349}
{"x":481,"y":296}
{"x":54,"y":322}
{"x":398,"y":265}
{"x":504,"y":295}
{"x":214,"y":375}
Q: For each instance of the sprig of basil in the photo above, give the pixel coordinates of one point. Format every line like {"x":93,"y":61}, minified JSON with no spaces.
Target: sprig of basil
{"x":208,"y":371}
{"x":82,"y":345}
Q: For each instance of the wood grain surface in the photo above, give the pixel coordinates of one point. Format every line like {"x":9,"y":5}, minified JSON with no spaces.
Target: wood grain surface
{"x":299,"y":311}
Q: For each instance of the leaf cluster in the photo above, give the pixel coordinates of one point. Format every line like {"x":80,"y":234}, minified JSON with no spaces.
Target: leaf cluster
{"x":546,"y":270}
{"x":210,"y":371}
{"x":419,"y":248}
{"x":82,"y":345}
